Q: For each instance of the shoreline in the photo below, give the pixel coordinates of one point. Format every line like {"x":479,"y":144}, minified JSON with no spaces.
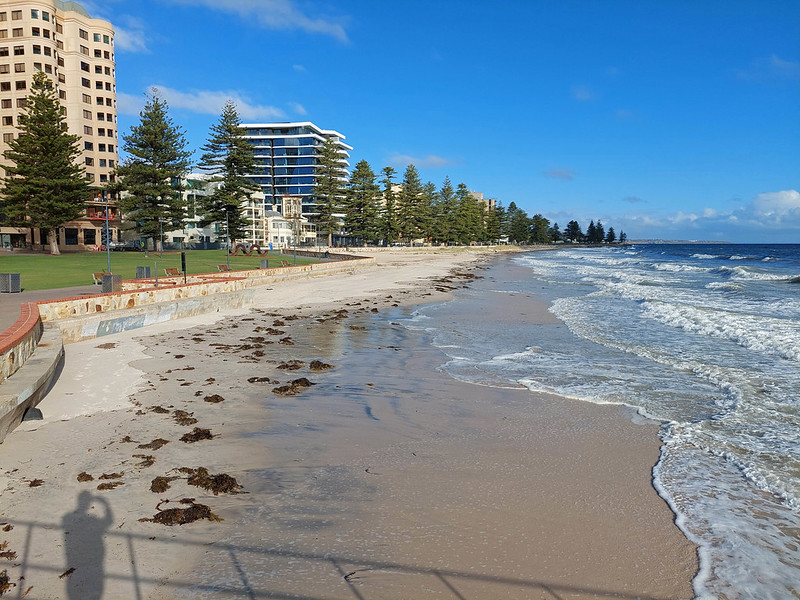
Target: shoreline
{"x":280,"y":448}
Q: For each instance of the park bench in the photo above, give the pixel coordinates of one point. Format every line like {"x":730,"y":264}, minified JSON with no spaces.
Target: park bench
{"x":98,"y":278}
{"x":172,"y":272}
{"x":223,"y":268}
{"x":285,"y":263}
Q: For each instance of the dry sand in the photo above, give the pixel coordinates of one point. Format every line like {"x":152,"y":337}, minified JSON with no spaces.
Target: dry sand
{"x":384,"y":479}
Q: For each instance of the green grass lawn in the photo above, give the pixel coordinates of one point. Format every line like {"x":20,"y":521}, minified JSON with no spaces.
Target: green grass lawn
{"x":42,"y":271}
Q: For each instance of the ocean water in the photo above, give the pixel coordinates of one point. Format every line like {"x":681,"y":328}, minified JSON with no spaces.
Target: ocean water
{"x":703,"y":338}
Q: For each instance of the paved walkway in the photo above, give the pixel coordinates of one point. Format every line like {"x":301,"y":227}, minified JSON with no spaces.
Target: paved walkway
{"x":10,"y":303}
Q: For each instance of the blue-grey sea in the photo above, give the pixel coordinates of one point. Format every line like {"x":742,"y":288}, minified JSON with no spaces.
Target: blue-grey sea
{"x":703,"y":338}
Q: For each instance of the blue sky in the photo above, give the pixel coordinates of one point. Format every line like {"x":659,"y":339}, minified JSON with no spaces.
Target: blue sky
{"x":671,"y":119}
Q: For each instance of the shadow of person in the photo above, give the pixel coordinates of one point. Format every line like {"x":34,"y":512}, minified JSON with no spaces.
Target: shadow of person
{"x":83,"y":546}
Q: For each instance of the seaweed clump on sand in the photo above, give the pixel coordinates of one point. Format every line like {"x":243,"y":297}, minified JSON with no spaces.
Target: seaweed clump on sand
{"x":84,"y":476}
{"x":197,"y":434}
{"x":293,"y":387}
{"x":221,"y":483}
{"x":183,"y":418}
{"x":154,"y":445}
{"x":214,"y":399}
{"x":160,"y":484}
{"x":182,"y":516}
{"x":291,"y":365}
{"x":318,"y":365}
{"x":5,"y":582}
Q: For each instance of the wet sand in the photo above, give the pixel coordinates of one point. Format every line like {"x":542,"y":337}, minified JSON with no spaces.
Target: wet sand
{"x":383,"y":479}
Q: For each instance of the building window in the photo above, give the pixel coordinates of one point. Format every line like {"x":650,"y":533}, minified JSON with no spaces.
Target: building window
{"x":46,"y":33}
{"x":19,"y":67}
{"x":109,"y":118}
{"x":4,"y":51}
{"x":47,"y":51}
{"x":60,"y":62}
{"x":71,"y":236}
{"x":87,"y":130}
{"x":111,"y":164}
{"x":85,"y":82}
{"x":16,"y":15}
{"x":48,"y":69}
{"x":37,"y":66}
{"x":60,"y":45}
{"x":16,"y":32}
{"x":108,"y":102}
{"x":63,"y":96}
{"x":111,"y":147}
{"x":106,"y":55}
{"x":84,"y":34}
{"x":99,"y":100}
{"x":101,"y":147}
{"x":45,"y":15}
{"x":96,"y":37}
{"x":108,"y":86}
{"x":21,"y":102}
{"x":101,"y":116}
{"x":5,"y":103}
{"x":87,"y":114}
{"x":84,"y":66}
{"x":106,"y":39}
{"x":37,"y":49}
{"x":87,"y":98}
{"x":101,"y":131}
{"x":59,"y":28}
{"x":88,"y":146}
{"x":98,"y":70}
{"x":108,"y":71}
{"x":21,"y":85}
{"x":103,"y":178}
{"x":34,"y":13}
{"x":3,"y":16}
{"x":5,"y":68}
{"x":89,"y":161}
{"x":35,"y":31}
{"x":89,"y":237}
{"x":19,"y":50}
{"x":98,"y":85}
{"x":3,"y":34}
{"x":102,"y":162}
{"x":61,"y":78}
{"x":8,"y":121}
{"x":84,"y":51}
{"x":98,"y":54}
{"x":8,"y":138}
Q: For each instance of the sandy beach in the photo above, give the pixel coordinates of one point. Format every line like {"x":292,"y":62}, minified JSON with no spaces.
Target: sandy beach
{"x":325,"y":456}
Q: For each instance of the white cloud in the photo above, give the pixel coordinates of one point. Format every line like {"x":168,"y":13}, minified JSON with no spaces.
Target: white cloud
{"x":776,"y":207}
{"x":275,"y":14}
{"x":583,"y":93}
{"x":772,"y":68}
{"x":206,"y":102}
{"x":299,"y":68}
{"x":564,"y":174}
{"x":298,"y":108}
{"x":430,"y":161}
{"x":130,"y":35}
{"x":633,"y":199}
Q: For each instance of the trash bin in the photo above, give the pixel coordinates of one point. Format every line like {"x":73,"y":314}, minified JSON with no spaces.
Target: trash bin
{"x":112,"y":283}
{"x":265,"y":263}
{"x":142,"y":272}
{"x":10,"y":282}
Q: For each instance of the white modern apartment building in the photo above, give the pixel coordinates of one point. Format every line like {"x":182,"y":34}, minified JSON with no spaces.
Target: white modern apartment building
{"x":287,"y":159}
{"x":77,"y":52}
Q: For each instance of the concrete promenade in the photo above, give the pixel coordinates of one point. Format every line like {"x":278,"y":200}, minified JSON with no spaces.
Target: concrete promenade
{"x":10,"y":303}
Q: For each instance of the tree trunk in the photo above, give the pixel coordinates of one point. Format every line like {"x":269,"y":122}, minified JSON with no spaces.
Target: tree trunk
{"x":52,"y":239}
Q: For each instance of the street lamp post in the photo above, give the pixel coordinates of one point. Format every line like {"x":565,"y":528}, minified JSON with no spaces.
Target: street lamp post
{"x":108,"y":237}
{"x":227,"y":241}
{"x":161,"y":237}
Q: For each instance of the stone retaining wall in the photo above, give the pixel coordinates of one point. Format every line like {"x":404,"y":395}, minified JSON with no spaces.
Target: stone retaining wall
{"x":31,"y":349}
